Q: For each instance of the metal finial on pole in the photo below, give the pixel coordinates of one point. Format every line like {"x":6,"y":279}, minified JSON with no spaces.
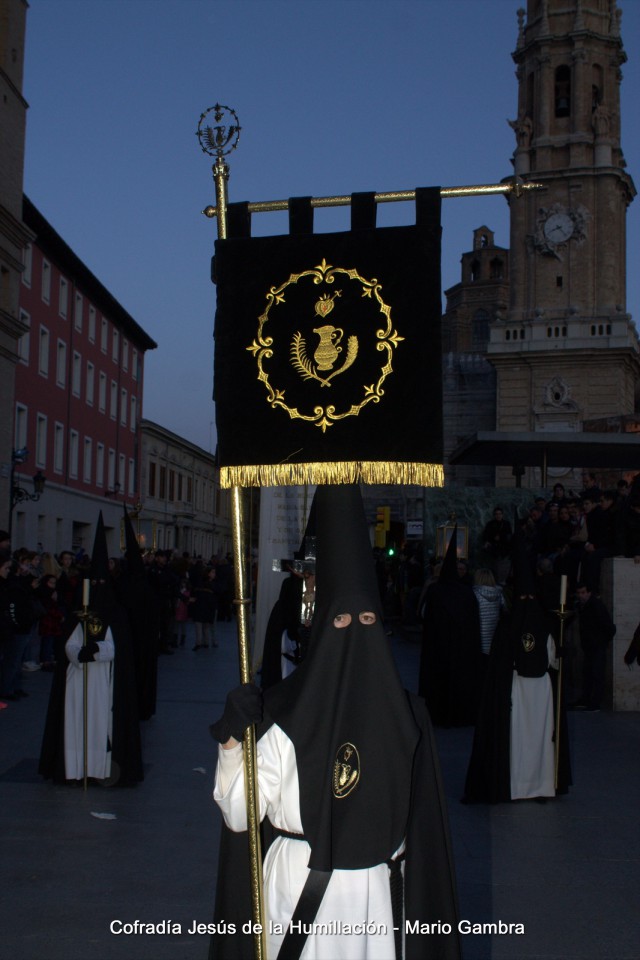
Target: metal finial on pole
{"x":218,"y":141}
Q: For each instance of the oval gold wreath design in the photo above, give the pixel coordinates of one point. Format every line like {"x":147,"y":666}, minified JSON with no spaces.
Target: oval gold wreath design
{"x":388,"y":339}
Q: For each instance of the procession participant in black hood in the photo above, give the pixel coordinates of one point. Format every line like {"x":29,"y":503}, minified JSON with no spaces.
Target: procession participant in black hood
{"x":114,"y":751}
{"x":287,"y":635}
{"x":513,"y":755}
{"x":451,"y":661}
{"x":347,"y":775}
{"x":137,"y":596}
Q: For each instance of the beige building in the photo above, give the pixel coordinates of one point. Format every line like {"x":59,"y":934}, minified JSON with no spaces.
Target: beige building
{"x":14,"y":235}
{"x":180,"y":495}
{"x":567,"y":350}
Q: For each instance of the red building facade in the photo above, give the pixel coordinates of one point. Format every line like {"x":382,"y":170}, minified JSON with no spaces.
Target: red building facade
{"x":78,"y":398}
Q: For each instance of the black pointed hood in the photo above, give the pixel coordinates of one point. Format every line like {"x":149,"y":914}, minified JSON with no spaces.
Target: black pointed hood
{"x":344,"y":708}
{"x":528,"y":622}
{"x":135,"y":566}
{"x":523,"y":577}
{"x":99,"y":569}
{"x":449,"y":568}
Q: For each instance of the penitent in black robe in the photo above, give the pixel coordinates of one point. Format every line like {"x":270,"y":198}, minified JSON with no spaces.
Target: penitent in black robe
{"x":489,"y":772}
{"x":126,"y":750}
{"x":450,"y":665}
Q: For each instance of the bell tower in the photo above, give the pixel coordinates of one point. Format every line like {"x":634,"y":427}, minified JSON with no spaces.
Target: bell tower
{"x":567,"y":350}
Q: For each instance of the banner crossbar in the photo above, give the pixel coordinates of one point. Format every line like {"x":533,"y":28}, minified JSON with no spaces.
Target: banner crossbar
{"x":515,"y":187}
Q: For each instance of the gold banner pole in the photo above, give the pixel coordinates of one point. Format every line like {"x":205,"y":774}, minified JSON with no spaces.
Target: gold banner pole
{"x":516,"y":187}
{"x":562,"y":614}
{"x":218,"y":141}
{"x":85,"y":683}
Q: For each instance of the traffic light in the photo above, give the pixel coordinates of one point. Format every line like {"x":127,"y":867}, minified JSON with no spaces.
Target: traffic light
{"x":383,"y":518}
{"x":383,"y":524}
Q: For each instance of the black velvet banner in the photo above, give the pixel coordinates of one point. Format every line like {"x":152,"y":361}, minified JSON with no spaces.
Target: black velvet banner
{"x":327,"y":355}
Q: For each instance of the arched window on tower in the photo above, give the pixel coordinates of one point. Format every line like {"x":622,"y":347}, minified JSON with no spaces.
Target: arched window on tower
{"x":496,"y":269}
{"x":480,"y":331}
{"x":475,"y":270}
{"x":562,"y":92}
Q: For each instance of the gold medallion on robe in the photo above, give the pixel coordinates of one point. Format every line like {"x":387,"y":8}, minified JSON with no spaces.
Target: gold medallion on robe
{"x":346,"y":771}
{"x":95,"y":626}
{"x":528,"y":642}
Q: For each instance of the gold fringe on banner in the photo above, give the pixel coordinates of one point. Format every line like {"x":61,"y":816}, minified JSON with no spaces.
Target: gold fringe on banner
{"x":348,"y":471}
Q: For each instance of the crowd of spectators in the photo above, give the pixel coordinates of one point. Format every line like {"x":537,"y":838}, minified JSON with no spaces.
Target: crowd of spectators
{"x":571,"y":534}
{"x":40,"y":593}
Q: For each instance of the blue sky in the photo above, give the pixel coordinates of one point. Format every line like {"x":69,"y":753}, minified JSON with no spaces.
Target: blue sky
{"x":333,"y":97}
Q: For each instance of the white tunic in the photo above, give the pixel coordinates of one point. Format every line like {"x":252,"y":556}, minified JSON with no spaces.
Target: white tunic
{"x":99,"y":712}
{"x":532,"y":728}
{"x":352,"y":897}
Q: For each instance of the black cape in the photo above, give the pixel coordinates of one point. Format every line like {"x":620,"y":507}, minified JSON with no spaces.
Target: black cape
{"x":450,"y":664}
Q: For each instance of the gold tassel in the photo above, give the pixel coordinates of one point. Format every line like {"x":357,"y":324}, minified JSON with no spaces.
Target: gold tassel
{"x":337,"y":472}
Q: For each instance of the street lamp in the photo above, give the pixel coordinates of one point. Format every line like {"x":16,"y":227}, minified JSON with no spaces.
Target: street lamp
{"x":18,"y":493}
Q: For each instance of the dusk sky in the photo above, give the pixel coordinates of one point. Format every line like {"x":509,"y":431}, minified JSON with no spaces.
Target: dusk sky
{"x":332,"y":97}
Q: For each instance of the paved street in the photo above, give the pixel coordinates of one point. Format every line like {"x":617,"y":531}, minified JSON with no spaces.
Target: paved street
{"x":569,"y":870}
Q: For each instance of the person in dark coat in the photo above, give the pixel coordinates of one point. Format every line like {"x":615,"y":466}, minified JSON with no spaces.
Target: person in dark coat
{"x":347,"y":774}
{"x":496,"y":540}
{"x":597,"y":630}
{"x":627,"y":525}
{"x":224,"y":573}
{"x":203,"y":607}
{"x":17,"y":617}
{"x":451,"y":661}
{"x":165,"y":585}
{"x":51,"y":623}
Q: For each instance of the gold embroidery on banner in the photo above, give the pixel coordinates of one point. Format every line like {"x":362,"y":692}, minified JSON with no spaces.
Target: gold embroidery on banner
{"x":329,"y":348}
{"x":346,"y":771}
{"x":326,"y":353}
{"x":528,"y":642}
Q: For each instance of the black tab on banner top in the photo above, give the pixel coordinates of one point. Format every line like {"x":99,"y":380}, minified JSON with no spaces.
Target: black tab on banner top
{"x":428,"y":204}
{"x":300,"y":216}
{"x":238,"y":221}
{"x":363,"y":211}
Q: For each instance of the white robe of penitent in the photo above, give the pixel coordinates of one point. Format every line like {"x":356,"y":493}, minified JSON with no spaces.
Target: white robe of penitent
{"x":352,"y":896}
{"x":532,"y":734}
{"x":99,"y":709}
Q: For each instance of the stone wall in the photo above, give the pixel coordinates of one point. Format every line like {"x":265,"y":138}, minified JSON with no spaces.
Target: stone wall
{"x":621,"y":594}
{"x":474,"y":507}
